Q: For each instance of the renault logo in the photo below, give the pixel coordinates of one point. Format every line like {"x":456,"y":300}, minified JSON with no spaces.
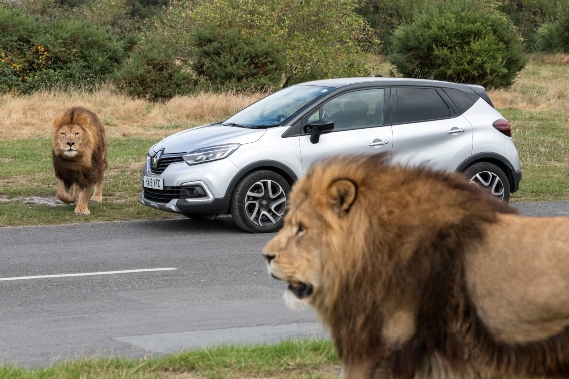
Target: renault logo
{"x":156,"y":159}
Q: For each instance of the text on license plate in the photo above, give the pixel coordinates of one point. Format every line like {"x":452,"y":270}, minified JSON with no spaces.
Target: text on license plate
{"x":156,"y":183}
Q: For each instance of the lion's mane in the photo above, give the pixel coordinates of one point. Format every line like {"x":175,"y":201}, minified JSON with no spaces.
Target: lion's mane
{"x":422,"y":273}
{"x":87,"y":167}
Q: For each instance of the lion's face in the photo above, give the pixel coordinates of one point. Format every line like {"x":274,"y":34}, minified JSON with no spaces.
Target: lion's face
{"x":302,"y":251}
{"x":294,"y":256}
{"x":70,"y":141}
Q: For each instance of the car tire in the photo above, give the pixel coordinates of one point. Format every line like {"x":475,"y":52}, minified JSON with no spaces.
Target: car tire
{"x":491,"y":177}
{"x":258,"y":202}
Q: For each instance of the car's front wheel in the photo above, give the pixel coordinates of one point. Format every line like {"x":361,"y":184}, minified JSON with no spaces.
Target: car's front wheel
{"x":258,"y":202}
{"x":491,"y":177}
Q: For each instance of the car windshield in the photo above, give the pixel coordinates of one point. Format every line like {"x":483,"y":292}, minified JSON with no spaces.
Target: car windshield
{"x":278,"y":107}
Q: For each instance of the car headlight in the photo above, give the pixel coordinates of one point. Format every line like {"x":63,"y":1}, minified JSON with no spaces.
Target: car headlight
{"x":209,"y":154}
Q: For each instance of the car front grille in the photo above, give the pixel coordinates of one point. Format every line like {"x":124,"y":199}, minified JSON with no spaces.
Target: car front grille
{"x":164,"y":162}
{"x":163,"y":196}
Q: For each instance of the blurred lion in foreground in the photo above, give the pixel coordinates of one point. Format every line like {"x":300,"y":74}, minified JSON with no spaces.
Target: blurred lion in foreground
{"x":420,"y":274}
{"x":79,"y":152}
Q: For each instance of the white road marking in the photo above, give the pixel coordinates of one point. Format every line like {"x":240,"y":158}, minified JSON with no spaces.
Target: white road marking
{"x":87,"y":274}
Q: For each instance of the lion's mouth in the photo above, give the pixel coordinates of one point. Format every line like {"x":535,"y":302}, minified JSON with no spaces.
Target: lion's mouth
{"x":300,"y":290}
{"x":70,"y":152}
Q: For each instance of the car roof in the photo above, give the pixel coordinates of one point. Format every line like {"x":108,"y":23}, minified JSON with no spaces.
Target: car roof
{"x":343,"y":82}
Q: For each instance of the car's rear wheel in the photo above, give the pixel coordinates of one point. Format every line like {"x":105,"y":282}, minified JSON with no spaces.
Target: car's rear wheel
{"x":258,"y":202}
{"x":491,"y":177}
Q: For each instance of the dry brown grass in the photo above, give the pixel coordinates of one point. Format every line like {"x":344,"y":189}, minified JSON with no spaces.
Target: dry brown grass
{"x":31,"y":116}
{"x":542,"y":85}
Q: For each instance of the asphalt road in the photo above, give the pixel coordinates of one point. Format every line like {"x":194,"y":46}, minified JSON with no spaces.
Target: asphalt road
{"x":77,"y":290}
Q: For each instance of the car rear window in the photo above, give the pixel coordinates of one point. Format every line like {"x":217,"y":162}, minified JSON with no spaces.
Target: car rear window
{"x":420,"y":104}
{"x":462,"y":101}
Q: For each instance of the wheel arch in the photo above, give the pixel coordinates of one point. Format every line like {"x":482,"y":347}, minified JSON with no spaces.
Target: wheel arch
{"x":497,"y":159}
{"x":269,"y":165}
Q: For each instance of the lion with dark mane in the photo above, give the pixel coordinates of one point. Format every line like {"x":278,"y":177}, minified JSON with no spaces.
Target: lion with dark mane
{"x":79,"y":153}
{"x":418,"y":273}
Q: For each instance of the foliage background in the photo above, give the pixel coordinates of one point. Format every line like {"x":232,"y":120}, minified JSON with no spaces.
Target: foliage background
{"x":156,"y":50}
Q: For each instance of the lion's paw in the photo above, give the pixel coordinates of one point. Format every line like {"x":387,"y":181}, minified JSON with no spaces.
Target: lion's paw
{"x":82,"y":211}
{"x":97,"y":199}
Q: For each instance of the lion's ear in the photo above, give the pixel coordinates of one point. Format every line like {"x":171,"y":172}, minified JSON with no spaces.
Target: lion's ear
{"x":342,"y":194}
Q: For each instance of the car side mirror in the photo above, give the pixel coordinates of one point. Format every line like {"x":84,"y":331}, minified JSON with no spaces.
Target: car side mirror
{"x":318,"y":127}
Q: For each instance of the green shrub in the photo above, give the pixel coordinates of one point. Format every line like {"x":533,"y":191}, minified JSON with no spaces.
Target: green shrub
{"x":553,"y":37}
{"x":464,"y":41}
{"x":317,"y":37}
{"x":22,"y":60}
{"x":227,"y":59}
{"x":152,"y":73}
{"x":81,"y":53}
{"x":529,"y":15}
{"x":38,"y":52}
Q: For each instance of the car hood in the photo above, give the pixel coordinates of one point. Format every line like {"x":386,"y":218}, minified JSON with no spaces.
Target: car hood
{"x":205,"y":136}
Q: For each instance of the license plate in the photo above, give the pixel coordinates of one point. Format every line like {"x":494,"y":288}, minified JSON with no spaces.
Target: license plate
{"x":155,"y":183}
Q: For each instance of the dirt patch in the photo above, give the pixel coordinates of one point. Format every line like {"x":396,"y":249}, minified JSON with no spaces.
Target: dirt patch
{"x":52,"y":201}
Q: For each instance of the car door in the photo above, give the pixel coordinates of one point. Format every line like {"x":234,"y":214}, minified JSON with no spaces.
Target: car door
{"x":361,"y":125}
{"x":428,"y":130}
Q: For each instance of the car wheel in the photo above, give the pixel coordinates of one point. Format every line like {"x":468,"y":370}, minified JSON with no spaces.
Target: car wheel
{"x":258,"y":202}
{"x":490,"y":176}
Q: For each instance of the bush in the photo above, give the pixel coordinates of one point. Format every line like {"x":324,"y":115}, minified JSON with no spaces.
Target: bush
{"x":227,"y":59}
{"x":80,"y":53}
{"x":40,"y":53}
{"x":553,"y":37}
{"x":152,"y":73}
{"x":318,"y":37}
{"x":464,"y":41}
{"x":529,"y":15}
{"x":22,"y":61}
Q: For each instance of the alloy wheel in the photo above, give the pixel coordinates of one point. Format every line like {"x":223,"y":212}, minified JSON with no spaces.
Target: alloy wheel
{"x":491,"y":181}
{"x":265,"y":202}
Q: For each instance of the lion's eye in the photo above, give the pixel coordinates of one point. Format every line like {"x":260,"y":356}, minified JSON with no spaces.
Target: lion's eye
{"x":300,"y":229}
{"x":63,"y":134}
{"x":76,"y":134}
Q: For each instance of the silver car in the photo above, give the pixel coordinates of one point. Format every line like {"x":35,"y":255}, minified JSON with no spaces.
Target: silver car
{"x":246,"y":164}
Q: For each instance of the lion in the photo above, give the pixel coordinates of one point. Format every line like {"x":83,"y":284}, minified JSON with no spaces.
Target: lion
{"x":418,"y":273}
{"x":79,"y":153}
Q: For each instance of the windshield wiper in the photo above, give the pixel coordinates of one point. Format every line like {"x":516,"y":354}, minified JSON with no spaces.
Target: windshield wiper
{"x":264,"y":126}
{"x":234,"y":124}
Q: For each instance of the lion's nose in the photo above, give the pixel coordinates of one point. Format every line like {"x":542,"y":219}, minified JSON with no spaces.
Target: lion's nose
{"x":71,"y":143}
{"x":269,"y":257}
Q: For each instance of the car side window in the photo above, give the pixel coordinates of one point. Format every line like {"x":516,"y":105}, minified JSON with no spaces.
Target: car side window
{"x":314,"y":116}
{"x":420,"y":104}
{"x":357,"y":109}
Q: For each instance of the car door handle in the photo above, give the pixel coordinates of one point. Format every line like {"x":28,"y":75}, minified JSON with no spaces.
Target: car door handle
{"x":456,"y":130}
{"x":378,"y":142}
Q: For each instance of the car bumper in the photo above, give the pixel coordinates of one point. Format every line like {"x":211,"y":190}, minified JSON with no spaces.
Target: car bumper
{"x":180,"y":181}
{"x":215,"y":206}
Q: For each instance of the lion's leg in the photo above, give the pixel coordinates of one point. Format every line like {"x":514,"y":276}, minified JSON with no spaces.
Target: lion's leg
{"x":83,"y":200}
{"x":62,"y":193}
{"x":98,"y":192}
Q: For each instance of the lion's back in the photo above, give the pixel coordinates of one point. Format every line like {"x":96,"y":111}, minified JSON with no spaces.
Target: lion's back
{"x":519,"y":277}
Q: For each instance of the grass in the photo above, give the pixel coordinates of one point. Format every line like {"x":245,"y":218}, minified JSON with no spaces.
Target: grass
{"x":288,"y":359}
{"x":537,"y":106}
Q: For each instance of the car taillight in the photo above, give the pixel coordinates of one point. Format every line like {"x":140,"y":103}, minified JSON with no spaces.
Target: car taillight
{"x":503,"y":126}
